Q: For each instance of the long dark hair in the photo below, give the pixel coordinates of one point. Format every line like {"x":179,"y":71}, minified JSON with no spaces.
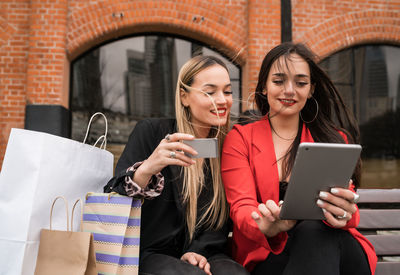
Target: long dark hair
{"x":333,"y":115}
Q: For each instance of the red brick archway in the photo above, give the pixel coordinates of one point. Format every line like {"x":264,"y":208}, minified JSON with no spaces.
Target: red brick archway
{"x":93,"y":25}
{"x":352,"y":29}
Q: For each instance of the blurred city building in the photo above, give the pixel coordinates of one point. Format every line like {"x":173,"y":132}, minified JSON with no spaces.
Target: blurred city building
{"x":61,"y":61}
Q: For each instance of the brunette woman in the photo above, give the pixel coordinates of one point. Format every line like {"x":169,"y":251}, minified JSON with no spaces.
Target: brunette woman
{"x":299,"y":103}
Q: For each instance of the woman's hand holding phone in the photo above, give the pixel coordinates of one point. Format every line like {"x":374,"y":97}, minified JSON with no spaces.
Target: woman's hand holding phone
{"x":170,"y":151}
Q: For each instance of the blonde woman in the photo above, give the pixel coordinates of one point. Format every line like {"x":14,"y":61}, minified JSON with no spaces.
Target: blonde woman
{"x":184,"y":214}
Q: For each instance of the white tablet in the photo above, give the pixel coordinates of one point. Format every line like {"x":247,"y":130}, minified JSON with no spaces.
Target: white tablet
{"x":317,"y":167}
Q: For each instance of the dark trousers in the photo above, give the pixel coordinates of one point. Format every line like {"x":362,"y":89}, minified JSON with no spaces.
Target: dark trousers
{"x":160,"y":264}
{"x":315,"y":248}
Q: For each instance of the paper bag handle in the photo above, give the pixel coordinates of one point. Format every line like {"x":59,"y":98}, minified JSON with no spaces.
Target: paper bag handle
{"x":106,"y":130}
{"x":103,"y":142}
{"x":72,"y":214}
{"x":66,"y":208}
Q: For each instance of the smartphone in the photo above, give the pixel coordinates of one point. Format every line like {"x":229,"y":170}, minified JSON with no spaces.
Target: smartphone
{"x":205,"y":147}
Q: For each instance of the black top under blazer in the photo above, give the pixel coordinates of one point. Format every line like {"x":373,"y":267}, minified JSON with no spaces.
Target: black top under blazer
{"x":163,"y":226}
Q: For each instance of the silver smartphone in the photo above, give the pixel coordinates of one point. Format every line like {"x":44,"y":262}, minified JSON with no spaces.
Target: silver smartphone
{"x":205,"y":147}
{"x":317,"y":167}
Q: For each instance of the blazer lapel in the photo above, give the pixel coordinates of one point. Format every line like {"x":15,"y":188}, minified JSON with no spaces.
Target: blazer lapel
{"x":264,"y":160}
{"x":176,"y":181}
{"x":306,"y":135}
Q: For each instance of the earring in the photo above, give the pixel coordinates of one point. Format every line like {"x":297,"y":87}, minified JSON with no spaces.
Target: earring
{"x":316,"y":114}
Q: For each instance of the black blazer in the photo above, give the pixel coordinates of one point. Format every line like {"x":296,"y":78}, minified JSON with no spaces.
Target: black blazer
{"x":163,"y":226}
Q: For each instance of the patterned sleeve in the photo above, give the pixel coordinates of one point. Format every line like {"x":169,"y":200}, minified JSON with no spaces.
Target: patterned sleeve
{"x":153,"y":188}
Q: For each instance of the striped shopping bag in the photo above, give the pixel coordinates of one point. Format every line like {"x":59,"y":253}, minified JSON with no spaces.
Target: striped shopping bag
{"x":114,"y":221}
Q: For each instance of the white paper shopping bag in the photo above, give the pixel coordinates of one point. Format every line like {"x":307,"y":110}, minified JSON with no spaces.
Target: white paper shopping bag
{"x":37,"y":168}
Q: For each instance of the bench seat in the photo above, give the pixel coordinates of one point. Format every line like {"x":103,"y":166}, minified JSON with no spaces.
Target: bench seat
{"x":380,"y":223}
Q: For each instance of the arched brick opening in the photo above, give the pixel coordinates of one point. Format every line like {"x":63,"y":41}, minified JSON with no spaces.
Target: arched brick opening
{"x":94,"y":25}
{"x":351,"y":29}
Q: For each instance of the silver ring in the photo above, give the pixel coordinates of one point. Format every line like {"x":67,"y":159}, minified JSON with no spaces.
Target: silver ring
{"x":167,"y":137}
{"x":172,"y":154}
{"x":342,"y":217}
{"x":356,"y":198}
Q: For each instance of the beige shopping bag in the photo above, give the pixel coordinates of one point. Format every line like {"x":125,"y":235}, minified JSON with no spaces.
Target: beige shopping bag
{"x":65,"y":252}
{"x":114,"y":221}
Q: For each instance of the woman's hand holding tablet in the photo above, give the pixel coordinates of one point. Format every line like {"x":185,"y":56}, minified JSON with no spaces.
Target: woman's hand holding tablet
{"x":325,"y":167}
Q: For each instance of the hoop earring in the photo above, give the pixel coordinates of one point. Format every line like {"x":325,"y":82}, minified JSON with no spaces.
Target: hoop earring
{"x":316,"y":114}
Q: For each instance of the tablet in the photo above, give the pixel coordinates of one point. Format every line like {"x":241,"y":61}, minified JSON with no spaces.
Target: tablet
{"x":317,"y":167}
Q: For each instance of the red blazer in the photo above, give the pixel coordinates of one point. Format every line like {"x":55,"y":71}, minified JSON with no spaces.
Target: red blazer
{"x":250,"y":177}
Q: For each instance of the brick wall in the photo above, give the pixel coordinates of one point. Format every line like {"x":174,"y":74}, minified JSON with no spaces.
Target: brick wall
{"x":223,"y":25}
{"x":47,"y":63}
{"x":14,"y":37}
{"x":328,"y":26}
{"x":39,"y":38}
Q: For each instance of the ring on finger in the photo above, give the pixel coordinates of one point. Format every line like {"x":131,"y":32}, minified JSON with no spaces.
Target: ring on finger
{"x":172,"y":154}
{"x":356,"y":198}
{"x":167,"y":137}
{"x":342,"y":217}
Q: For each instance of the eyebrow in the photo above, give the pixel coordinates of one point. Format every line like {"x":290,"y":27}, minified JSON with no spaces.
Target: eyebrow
{"x":215,"y":86}
{"x":297,"y":75}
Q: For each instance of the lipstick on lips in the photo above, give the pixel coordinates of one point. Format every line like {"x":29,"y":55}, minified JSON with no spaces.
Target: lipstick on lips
{"x":221,"y":112}
{"x":287,"y":102}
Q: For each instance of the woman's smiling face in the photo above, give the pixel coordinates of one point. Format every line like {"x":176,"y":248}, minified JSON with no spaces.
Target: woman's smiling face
{"x":210,"y":98}
{"x":288,"y":86}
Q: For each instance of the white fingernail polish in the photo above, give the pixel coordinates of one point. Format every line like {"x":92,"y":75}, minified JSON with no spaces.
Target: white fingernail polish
{"x":320,"y":203}
{"x":255,"y":215}
{"x":334,"y":191}
{"x":323,"y":194}
{"x":323,"y":210}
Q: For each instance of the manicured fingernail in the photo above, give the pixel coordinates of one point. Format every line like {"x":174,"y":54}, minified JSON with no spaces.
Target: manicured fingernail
{"x":334,"y":191}
{"x":323,"y":194}
{"x":323,"y":210}
{"x":320,"y":203}
{"x":255,"y":215}
{"x":280,"y":203}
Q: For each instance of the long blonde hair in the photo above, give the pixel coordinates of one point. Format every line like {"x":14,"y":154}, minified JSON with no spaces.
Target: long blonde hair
{"x":193,"y":181}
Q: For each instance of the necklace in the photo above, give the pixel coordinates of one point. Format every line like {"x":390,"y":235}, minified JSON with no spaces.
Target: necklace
{"x":290,"y":139}
{"x":273,"y":130}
